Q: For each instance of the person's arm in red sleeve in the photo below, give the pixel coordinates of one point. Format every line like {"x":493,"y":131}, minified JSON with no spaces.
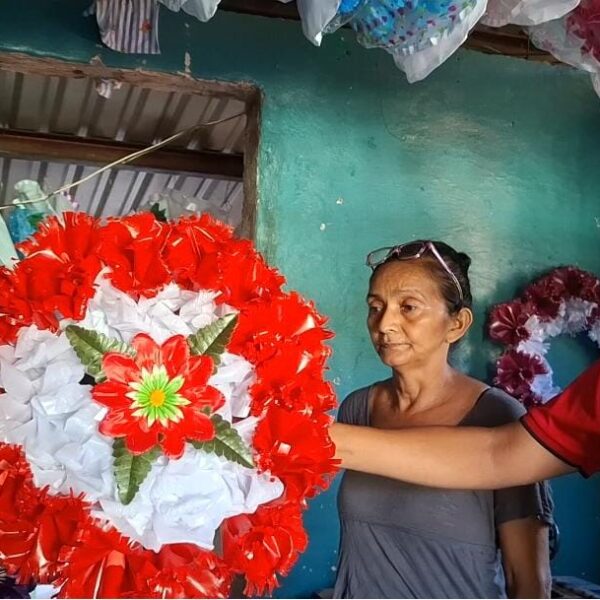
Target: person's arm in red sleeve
{"x":553,"y":439}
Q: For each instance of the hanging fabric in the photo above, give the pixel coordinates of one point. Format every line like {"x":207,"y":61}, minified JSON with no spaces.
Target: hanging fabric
{"x":8,"y":252}
{"x":29,"y":208}
{"x":24,"y":219}
{"x":525,"y":12}
{"x":129,"y":26}
{"x":419,"y":34}
{"x":574,"y":39}
{"x":203,"y":10}
{"x":316,"y":15}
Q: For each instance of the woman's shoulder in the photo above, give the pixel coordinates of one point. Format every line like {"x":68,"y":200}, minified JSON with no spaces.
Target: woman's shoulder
{"x":496,"y":407}
{"x":354,"y":409}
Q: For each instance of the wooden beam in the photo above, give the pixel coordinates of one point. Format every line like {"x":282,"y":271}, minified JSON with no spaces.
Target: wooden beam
{"x":262,"y":8}
{"x":57,"y":148}
{"x":508,"y":41}
{"x":167,"y":82}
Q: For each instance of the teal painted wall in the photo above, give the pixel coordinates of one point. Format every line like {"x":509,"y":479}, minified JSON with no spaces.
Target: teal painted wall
{"x":498,"y":157}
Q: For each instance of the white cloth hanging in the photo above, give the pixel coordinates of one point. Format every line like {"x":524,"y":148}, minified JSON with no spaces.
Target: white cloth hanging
{"x":525,"y":12}
{"x":315,"y":14}
{"x":554,"y":37}
{"x":423,"y":62}
{"x":203,"y":10}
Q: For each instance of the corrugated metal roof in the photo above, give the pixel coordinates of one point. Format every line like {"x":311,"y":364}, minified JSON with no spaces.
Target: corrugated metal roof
{"x":131,"y":114}
{"x":120,"y":191}
{"x":134,"y":115}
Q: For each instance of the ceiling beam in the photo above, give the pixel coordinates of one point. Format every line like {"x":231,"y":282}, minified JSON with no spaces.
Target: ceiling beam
{"x":508,"y":41}
{"x":262,"y":8}
{"x":86,"y":151}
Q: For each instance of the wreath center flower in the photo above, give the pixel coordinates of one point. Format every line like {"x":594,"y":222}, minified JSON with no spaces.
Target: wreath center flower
{"x":159,"y":396}
{"x":155,"y":396}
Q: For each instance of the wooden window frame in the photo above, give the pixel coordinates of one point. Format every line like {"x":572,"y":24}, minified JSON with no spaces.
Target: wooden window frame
{"x":34,"y":146}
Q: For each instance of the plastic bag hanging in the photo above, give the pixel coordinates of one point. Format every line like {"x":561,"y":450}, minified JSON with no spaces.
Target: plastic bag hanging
{"x":525,"y":12}
{"x":27,"y":213}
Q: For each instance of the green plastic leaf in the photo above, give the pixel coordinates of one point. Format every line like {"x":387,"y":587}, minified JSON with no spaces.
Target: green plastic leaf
{"x":227,"y":443}
{"x":159,"y":213}
{"x":213,"y":339}
{"x":130,"y":469}
{"x":35,"y":219}
{"x":90,"y":346}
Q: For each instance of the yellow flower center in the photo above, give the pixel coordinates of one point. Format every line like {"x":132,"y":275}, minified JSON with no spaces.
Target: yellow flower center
{"x":157,"y":398}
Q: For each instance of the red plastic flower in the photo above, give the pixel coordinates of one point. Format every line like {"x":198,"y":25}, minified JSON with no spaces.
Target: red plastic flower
{"x":516,"y":371}
{"x":159,"y":396}
{"x":61,"y":265}
{"x":15,"y":310}
{"x":101,"y":563}
{"x":132,"y":247}
{"x":30,"y":547}
{"x":280,"y":382}
{"x":184,"y":571}
{"x":264,"y":544}
{"x":192,"y":251}
{"x":544,"y":299}
{"x":74,"y":237}
{"x":245,"y":276}
{"x":507,"y":322}
{"x":55,"y":288}
{"x":267,"y":329}
{"x":571,"y":282}
{"x":55,"y":280}
{"x":296,"y":450}
{"x":16,"y":482}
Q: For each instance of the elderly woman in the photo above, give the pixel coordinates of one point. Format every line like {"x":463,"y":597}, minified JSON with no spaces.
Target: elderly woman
{"x":406,"y":541}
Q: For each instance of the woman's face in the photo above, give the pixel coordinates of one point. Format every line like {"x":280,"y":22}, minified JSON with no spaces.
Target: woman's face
{"x":407,"y":318}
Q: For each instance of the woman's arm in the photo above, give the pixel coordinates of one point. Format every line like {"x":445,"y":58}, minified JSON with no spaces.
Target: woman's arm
{"x":448,"y":457}
{"x":525,"y":556}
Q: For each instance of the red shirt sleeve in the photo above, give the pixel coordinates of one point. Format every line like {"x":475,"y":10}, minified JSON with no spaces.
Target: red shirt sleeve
{"x":569,"y":424}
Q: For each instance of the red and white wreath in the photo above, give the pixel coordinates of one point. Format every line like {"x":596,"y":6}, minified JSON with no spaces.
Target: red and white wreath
{"x":161,"y":392}
{"x":566,"y":301}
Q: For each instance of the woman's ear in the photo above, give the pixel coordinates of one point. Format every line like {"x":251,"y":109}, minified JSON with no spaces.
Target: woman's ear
{"x":459,"y":325}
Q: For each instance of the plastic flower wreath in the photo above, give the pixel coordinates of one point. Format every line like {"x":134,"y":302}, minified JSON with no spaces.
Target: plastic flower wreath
{"x":163,"y":415}
{"x":565,"y":301}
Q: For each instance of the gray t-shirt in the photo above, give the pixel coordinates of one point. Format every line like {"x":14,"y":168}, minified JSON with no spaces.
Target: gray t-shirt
{"x":407,"y":541}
